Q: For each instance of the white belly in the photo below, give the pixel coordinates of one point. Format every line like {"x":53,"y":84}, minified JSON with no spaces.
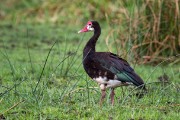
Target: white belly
{"x":101,"y":80}
{"x":109,"y":83}
{"x":113,"y":84}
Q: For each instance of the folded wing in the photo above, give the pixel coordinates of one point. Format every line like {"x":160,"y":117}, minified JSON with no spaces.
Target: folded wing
{"x":119,"y":67}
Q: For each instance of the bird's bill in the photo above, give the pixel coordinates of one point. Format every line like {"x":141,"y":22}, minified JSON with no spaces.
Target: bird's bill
{"x":84,"y":30}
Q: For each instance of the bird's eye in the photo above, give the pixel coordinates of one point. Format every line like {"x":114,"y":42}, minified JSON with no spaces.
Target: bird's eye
{"x":90,"y":24}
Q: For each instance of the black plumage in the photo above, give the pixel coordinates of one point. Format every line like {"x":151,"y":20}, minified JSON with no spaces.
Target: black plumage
{"x":108,"y":69}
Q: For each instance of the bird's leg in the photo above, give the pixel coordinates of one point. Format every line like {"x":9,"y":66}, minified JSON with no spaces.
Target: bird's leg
{"x":112,"y":96}
{"x":103,"y":93}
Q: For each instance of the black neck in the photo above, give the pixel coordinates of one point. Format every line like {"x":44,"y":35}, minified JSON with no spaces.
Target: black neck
{"x":90,"y":46}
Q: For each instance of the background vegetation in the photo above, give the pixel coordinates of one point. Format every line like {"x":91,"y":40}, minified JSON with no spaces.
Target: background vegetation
{"x":41,"y":73}
{"x":148,"y":29}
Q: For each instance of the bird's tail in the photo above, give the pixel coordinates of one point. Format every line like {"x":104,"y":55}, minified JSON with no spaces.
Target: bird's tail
{"x":137,"y":81}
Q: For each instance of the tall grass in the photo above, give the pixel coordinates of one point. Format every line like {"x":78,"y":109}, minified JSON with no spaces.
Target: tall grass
{"x":150,"y":28}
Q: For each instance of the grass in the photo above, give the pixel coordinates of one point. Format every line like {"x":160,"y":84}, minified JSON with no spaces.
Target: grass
{"x":42,"y":77}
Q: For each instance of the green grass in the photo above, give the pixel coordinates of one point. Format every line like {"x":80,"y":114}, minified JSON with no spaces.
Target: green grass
{"x":37,"y":82}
